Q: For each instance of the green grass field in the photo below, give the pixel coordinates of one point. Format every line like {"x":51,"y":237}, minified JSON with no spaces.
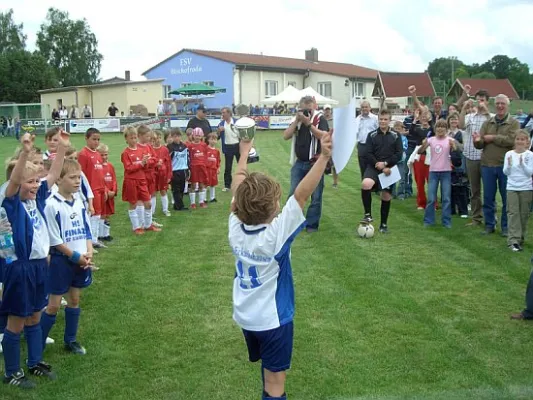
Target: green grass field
{"x":416,"y":314}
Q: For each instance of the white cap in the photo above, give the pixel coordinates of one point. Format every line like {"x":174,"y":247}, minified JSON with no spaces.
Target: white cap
{"x":327,"y":106}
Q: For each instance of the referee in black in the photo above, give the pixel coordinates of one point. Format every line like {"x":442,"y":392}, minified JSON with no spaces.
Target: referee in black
{"x":383,"y":150}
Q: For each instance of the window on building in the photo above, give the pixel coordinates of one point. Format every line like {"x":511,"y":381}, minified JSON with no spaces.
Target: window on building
{"x":292,"y":83}
{"x":209,"y":83}
{"x":358,"y":89}
{"x":166,"y":89}
{"x":324,"y":88}
{"x":271,"y":88}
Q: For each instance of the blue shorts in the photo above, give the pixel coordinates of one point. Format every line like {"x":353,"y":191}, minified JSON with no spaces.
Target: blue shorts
{"x":64,"y":274}
{"x":24,"y":287}
{"x":273,"y":347}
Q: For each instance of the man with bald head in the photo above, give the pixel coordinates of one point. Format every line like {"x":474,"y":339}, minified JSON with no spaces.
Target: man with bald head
{"x":366,"y":122}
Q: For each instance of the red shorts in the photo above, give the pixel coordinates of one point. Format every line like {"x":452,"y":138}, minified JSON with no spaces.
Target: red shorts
{"x":135,"y":190}
{"x":150,"y":181}
{"x":161,"y":181}
{"x":99,"y":202}
{"x":212,"y":177}
{"x":109,"y":207}
{"x":198,"y":174}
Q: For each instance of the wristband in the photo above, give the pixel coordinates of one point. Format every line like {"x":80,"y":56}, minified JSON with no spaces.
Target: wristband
{"x":75,"y":257}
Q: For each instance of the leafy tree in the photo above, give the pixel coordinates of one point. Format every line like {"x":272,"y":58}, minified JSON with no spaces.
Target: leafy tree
{"x":22,"y":74}
{"x":70,"y":47}
{"x":462,"y":72}
{"x":11,"y":36}
{"x":484,"y":75}
{"x":441,"y":69}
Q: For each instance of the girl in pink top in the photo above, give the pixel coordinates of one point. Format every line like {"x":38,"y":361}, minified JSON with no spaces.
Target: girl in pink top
{"x":440,"y":171}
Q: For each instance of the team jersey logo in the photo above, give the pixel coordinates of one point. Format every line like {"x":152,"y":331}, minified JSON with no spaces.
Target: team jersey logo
{"x":73,"y":215}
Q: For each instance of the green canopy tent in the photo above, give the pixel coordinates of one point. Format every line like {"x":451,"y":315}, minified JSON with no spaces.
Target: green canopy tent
{"x":198,"y":89}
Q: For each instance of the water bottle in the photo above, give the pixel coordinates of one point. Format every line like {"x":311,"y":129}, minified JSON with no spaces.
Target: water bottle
{"x":7,"y":246}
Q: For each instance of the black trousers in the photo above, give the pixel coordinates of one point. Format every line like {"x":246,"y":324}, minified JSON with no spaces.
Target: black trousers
{"x":361,"y":155}
{"x":460,"y":199}
{"x":232,"y":150}
{"x":528,"y":311}
{"x":178,"y":186}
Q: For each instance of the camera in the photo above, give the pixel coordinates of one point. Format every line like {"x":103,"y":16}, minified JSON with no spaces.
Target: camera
{"x":305,"y":112}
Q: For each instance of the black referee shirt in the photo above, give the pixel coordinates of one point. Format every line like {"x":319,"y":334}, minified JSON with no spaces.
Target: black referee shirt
{"x":384,"y":147}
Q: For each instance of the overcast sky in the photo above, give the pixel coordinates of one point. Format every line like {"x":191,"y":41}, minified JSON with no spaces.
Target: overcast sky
{"x":390,"y":35}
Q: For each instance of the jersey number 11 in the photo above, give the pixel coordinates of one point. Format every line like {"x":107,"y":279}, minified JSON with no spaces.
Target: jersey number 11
{"x":250,"y":281}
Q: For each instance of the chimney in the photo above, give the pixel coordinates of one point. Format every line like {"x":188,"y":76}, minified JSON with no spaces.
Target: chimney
{"x":311,"y":55}
{"x":127,"y":75}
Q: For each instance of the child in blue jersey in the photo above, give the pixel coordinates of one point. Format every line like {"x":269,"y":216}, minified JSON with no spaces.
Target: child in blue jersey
{"x":24,"y":294}
{"x":263,"y":293}
{"x":71,"y":254}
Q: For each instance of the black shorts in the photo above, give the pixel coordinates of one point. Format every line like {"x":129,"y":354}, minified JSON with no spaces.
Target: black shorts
{"x":372,"y":173}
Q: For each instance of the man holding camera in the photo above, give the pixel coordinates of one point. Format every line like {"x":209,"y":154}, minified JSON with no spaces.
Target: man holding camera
{"x":306,"y":130}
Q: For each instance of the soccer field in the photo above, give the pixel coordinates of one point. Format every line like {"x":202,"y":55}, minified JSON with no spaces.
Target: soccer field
{"x":415,"y":314}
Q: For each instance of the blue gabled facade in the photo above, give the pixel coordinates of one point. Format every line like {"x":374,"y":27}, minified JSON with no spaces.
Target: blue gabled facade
{"x":189,"y":67}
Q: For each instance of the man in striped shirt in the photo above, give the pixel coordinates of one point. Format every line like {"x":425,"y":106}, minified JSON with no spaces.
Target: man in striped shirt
{"x":471,"y":123}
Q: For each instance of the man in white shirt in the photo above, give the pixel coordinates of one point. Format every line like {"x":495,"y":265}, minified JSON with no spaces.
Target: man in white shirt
{"x":86,"y":112}
{"x":230,"y":144}
{"x":366,"y":123}
{"x":160,"y":108}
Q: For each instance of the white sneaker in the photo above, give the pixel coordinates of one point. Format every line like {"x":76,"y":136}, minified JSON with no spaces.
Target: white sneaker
{"x":157,"y":224}
{"x":464,"y":216}
{"x":225,"y":189}
{"x":49,"y":340}
{"x":63,"y":302}
{"x":1,"y":337}
{"x":167,"y":213}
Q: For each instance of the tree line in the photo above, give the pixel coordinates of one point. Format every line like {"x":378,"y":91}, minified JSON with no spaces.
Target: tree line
{"x":443,"y":70}
{"x":66,"y":54}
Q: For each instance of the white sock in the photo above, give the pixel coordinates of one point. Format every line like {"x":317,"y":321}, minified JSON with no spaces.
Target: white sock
{"x":147,"y":218}
{"x":140,"y":216}
{"x":154,"y":203}
{"x":196,"y":185}
{"x":95,"y":224}
{"x":202,"y":196}
{"x":192,"y":197}
{"x":101,"y":228}
{"x":164,"y":203}
{"x":107,"y":229}
{"x":186,"y":188}
{"x":134,"y":218}
{"x":212,"y":193}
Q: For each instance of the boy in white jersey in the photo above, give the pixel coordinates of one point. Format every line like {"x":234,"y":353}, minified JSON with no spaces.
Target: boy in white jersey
{"x":71,"y":254}
{"x":263,"y":293}
{"x":24,"y":293}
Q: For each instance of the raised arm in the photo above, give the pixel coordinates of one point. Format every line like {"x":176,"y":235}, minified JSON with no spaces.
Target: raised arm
{"x":291,"y":130}
{"x":242,"y":166}
{"x":309,"y":183}
{"x":17,"y":175}
{"x":57,"y":164}
{"x":464,"y":96}
{"x":462,"y":115}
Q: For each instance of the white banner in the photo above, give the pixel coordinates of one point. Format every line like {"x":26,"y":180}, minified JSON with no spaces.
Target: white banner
{"x":103,"y":125}
{"x":280,"y":121}
{"x":344,"y":135}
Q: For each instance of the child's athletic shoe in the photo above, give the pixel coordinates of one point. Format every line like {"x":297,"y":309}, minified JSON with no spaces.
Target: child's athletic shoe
{"x":383,"y":228}
{"x":99,"y":245}
{"x":63,"y":302}
{"x":43,"y":369}
{"x":75,"y":348}
{"x":139,"y":231}
{"x":226,"y":189}
{"x":1,"y":338}
{"x":193,"y":206}
{"x":153,"y":228}
{"x":49,"y":340}
{"x":367,"y":219}
{"x":203,"y":204}
{"x":157,"y":224}
{"x":106,"y":238}
{"x":213,"y":200}
{"x":20,"y":380}
{"x":167,"y":213}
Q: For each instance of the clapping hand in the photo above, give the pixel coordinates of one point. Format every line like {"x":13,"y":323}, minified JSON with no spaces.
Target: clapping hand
{"x":476,"y":136}
{"x":520,"y":160}
{"x":467,"y":89}
{"x":326,"y":145}
{"x":510,"y":161}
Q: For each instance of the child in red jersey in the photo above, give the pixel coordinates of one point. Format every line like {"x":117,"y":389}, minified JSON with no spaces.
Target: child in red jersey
{"x":198,"y":152}
{"x":144,"y":135}
{"x":188,"y":134}
{"x":213,"y":166}
{"x":110,"y":179}
{"x":91,"y":165}
{"x":135,"y":187}
{"x":163,"y":172}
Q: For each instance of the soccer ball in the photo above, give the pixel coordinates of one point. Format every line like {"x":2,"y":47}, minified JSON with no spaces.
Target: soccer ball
{"x":366,"y":231}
